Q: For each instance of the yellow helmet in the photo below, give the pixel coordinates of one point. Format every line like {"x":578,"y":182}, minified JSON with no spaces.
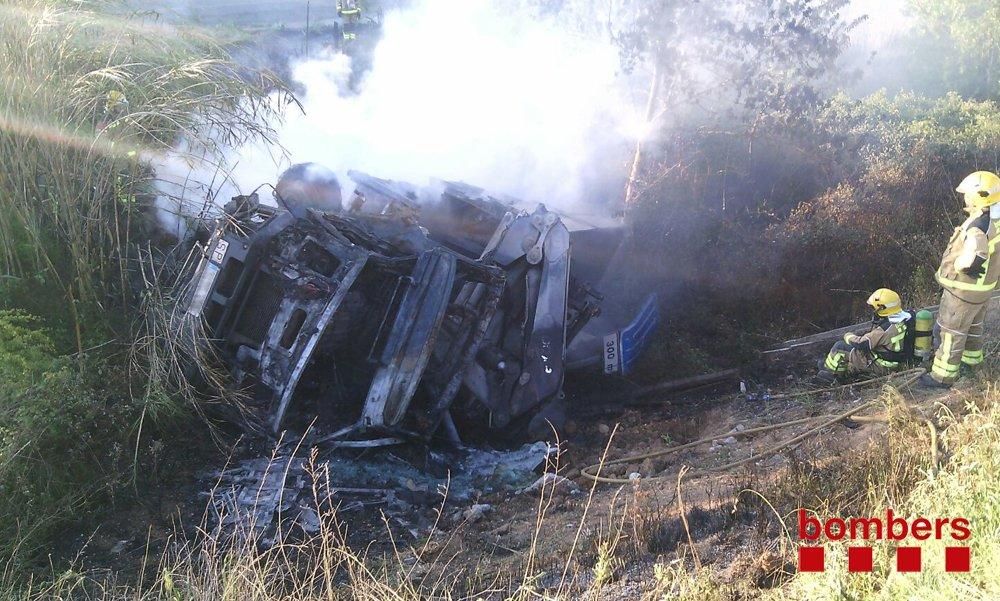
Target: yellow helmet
{"x":885,"y":302}
{"x":981,"y":189}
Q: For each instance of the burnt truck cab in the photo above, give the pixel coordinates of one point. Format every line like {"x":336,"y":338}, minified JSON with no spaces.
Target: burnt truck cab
{"x":401,"y":316}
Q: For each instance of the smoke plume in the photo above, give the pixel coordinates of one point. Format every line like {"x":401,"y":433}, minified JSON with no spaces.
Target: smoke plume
{"x":469,"y":90}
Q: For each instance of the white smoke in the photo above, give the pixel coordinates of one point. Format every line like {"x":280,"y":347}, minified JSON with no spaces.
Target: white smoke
{"x":466,"y":90}
{"x":880,"y":46}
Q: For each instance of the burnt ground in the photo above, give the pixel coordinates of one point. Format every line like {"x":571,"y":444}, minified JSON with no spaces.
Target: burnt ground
{"x":729,"y":529}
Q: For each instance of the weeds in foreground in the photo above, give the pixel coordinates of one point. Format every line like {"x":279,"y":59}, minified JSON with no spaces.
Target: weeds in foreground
{"x":327,"y":566}
{"x":964,"y":487}
{"x":234,"y":563}
{"x":89,"y":95}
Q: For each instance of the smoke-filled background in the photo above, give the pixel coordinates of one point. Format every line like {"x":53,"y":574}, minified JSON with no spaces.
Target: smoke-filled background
{"x":782,"y":134}
{"x":463,"y":90}
{"x":518,"y":99}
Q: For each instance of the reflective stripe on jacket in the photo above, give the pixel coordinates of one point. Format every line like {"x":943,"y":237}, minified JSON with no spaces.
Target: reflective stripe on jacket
{"x":976,"y":238}
{"x":884,"y":336}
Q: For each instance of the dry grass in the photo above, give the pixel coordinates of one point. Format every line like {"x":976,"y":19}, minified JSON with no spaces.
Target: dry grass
{"x":88,"y":97}
{"x":893,"y":473}
{"x":965,"y":487}
{"x":233,"y":565}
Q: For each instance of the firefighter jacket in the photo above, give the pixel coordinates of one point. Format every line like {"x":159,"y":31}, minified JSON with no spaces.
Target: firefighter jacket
{"x":970,"y":266}
{"x":885,"y":342}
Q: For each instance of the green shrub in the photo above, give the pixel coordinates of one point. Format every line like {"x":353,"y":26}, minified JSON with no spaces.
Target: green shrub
{"x":792,"y":230}
{"x":63,"y":437}
{"x":91,"y":95}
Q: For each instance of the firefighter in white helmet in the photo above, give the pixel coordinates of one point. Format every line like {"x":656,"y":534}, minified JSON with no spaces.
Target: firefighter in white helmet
{"x":883,"y":349}
{"x":968,"y":274}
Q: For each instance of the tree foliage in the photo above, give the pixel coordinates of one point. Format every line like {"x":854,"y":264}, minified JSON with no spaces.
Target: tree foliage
{"x":857,"y":196}
{"x":762,"y":55}
{"x":958,"y":45}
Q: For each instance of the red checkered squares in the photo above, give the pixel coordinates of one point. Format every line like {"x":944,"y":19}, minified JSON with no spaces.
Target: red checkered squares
{"x":957,"y":559}
{"x":812,"y":558}
{"x":859,"y":559}
{"x":908,"y":559}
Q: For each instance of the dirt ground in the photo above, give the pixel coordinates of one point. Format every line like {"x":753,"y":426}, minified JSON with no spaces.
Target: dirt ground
{"x":564,"y":531}
{"x":724,"y":528}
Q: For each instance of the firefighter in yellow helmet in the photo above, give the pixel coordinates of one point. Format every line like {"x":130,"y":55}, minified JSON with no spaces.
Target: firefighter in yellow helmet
{"x":968,"y":274}
{"x":883,"y":349}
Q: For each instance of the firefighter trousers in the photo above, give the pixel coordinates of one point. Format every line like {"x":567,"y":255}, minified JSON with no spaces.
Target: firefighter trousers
{"x":843,"y":359}
{"x":960,"y":324}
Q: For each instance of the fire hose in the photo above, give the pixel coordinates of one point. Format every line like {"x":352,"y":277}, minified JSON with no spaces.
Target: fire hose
{"x":593,"y":472}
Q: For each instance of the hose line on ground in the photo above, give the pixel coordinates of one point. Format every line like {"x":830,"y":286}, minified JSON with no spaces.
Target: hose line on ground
{"x":934,"y":447}
{"x":593,"y":472}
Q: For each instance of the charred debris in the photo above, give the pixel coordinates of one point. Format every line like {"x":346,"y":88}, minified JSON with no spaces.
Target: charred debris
{"x":409,"y":314}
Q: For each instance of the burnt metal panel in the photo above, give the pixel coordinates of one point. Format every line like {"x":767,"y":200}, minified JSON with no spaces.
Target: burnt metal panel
{"x":411,"y":339}
{"x":263,"y":301}
{"x":302,"y":351}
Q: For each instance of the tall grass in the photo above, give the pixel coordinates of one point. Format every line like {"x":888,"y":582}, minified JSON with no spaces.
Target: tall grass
{"x":90,"y":95}
{"x":87,"y":98}
{"x":965,"y":488}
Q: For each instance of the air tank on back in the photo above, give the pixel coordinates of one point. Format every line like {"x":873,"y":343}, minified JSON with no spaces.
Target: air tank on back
{"x":923,"y":345}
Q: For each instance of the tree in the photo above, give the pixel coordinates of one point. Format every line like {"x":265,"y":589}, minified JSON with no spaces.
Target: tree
{"x":959,"y":45}
{"x":759,"y":55}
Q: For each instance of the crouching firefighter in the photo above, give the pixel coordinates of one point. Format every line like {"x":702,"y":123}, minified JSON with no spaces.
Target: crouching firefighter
{"x":886,"y":348}
{"x":968,"y":274}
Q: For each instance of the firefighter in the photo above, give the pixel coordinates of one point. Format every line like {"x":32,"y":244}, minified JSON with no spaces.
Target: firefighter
{"x":882,"y":350}
{"x":349,"y":9}
{"x":968,"y":275}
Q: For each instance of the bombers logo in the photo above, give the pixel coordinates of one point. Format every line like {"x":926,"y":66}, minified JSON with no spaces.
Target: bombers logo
{"x":812,"y":557}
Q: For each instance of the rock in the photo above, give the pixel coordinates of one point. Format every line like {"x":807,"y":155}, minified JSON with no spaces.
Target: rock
{"x":477,"y":512}
{"x":603,"y":429}
{"x":772,"y":461}
{"x":635,"y":476}
{"x":550,"y":480}
{"x":435,"y":542}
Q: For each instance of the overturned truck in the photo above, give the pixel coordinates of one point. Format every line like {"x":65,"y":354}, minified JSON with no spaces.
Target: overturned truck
{"x":409,"y":313}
